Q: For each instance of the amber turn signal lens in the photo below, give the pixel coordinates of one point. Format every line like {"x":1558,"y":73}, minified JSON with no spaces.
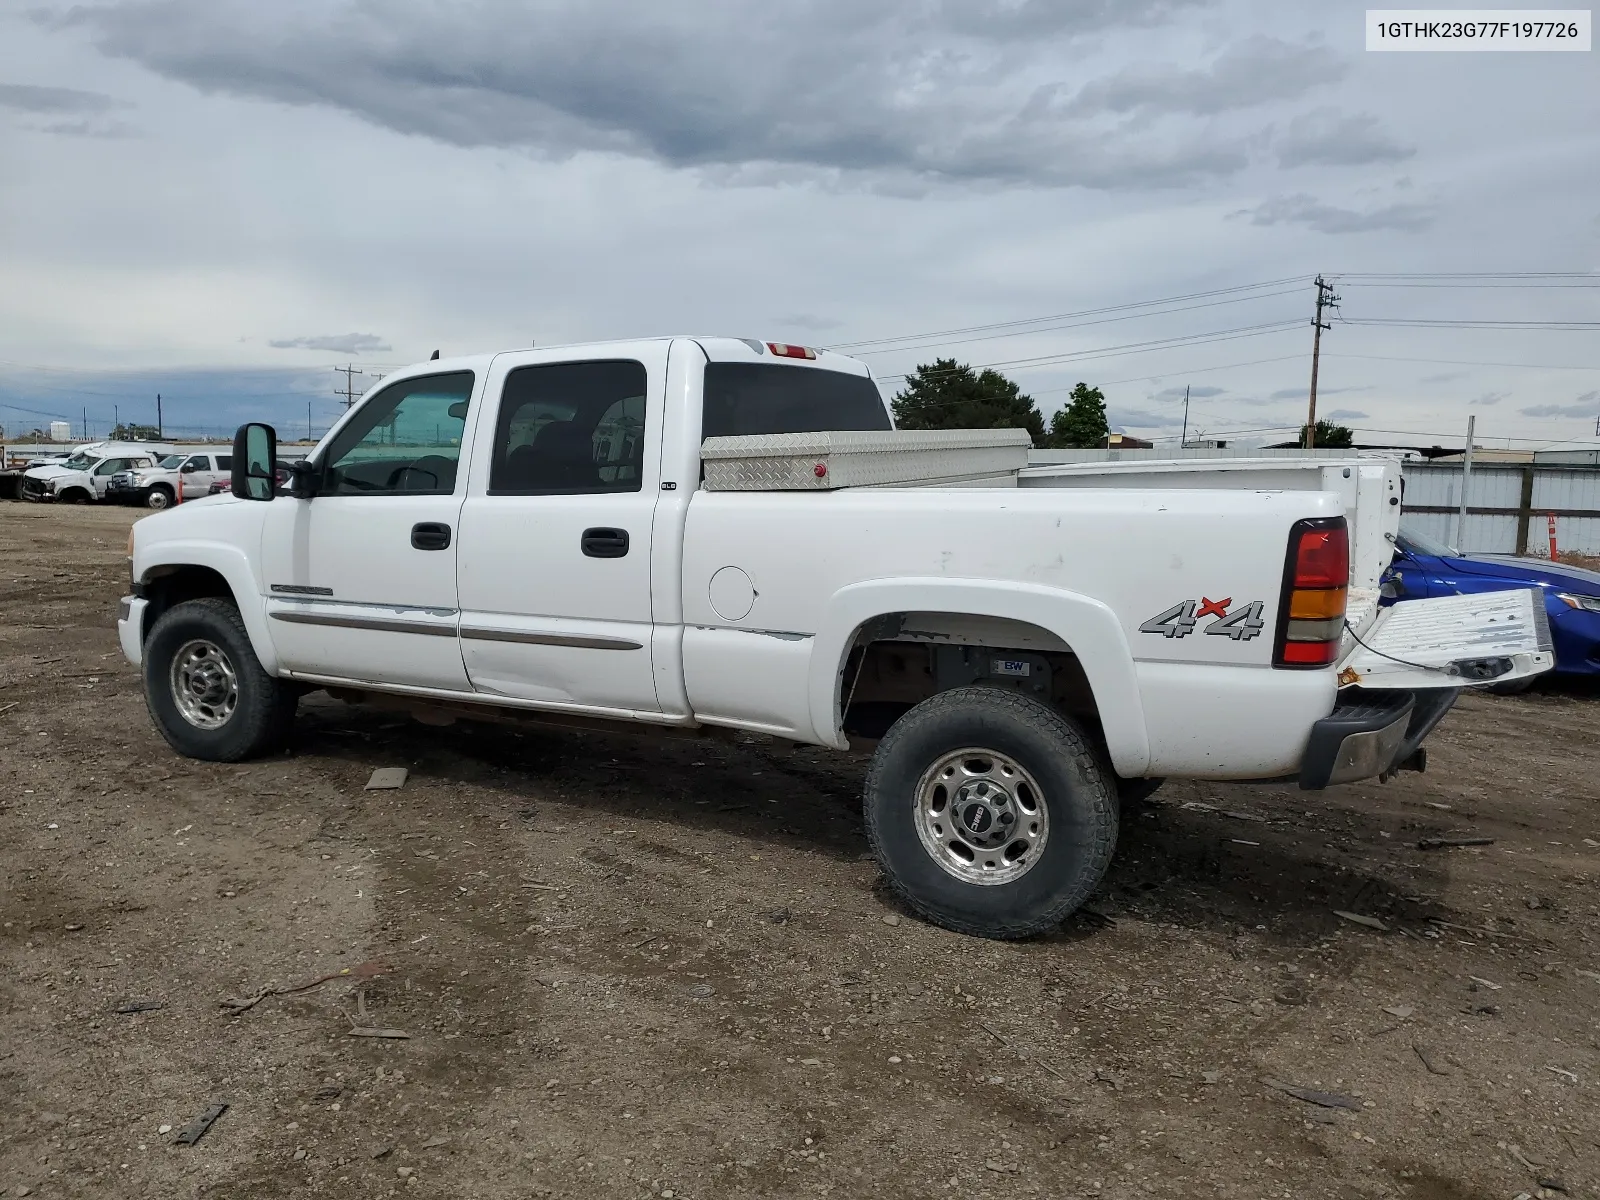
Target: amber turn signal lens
{"x":1317,"y":604}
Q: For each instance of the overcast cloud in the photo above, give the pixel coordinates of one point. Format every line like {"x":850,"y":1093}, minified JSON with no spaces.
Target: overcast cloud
{"x":207,"y":190}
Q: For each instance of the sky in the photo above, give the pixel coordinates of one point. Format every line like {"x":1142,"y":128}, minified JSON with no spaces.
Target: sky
{"x":222,"y":200}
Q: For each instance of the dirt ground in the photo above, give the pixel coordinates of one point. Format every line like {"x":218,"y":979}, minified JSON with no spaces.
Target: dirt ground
{"x":634,"y":968}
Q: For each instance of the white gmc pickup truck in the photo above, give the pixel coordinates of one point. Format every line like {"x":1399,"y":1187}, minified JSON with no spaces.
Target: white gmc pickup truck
{"x":697,"y":534}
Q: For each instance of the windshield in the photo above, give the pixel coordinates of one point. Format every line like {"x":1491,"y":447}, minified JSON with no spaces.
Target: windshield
{"x":768,"y":398}
{"x":172,"y":462}
{"x":80,"y":462}
{"x":1423,"y":544}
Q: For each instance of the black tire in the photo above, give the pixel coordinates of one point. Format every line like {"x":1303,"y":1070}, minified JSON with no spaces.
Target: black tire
{"x":158,"y":498}
{"x":1078,"y":794}
{"x":260,"y":719}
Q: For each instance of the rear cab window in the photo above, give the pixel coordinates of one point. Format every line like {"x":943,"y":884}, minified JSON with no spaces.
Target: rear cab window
{"x":752,"y":398}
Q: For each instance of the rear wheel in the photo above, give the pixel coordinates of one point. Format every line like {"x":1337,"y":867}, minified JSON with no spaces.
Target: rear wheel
{"x":158,"y":497}
{"x":208,"y":693}
{"x":989,"y":813}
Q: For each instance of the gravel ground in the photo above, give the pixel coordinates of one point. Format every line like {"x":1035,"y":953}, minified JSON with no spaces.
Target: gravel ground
{"x":639,"y":967}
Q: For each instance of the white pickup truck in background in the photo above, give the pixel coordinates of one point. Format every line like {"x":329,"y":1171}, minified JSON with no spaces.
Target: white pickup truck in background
{"x":86,"y":474}
{"x":177,"y":477}
{"x":705,"y":533}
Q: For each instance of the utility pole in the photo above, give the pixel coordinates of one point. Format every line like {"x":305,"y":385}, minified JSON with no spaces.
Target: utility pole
{"x":86,"y":424}
{"x":116,"y":420}
{"x":160,"y":428}
{"x":1184,"y":440}
{"x":1325,"y":299}
{"x":308,"y":420}
{"x":1466,"y":474}
{"x":349,"y":392}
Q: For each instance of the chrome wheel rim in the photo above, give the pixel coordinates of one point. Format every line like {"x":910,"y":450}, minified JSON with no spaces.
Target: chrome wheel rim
{"x":981,"y":816}
{"x":157,"y":499}
{"x":204,"y":686}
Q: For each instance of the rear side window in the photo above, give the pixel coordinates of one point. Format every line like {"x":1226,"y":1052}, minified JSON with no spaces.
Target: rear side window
{"x":742,"y":398}
{"x":570,"y":429}
{"x":224,"y":462}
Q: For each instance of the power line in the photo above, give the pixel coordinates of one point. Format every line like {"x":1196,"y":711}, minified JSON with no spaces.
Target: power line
{"x":1466,"y":362}
{"x":1129,"y":316}
{"x":1485,"y":286}
{"x":1472,"y":323}
{"x":1196,"y":339}
{"x":1465,"y":275}
{"x":1088,"y":312}
{"x":1254,"y":362}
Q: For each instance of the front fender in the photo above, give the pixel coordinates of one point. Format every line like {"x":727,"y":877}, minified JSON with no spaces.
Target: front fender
{"x":233,"y":564}
{"x":1083,"y":623}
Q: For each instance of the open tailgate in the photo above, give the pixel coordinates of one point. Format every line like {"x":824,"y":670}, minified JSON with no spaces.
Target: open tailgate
{"x":1451,"y":641}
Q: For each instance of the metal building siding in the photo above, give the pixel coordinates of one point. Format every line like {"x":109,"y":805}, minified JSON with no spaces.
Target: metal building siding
{"x":1438,"y":485}
{"x":1554,"y":487}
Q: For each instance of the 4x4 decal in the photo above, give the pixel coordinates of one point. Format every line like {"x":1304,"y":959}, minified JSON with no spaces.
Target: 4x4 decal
{"x":1242,"y":624}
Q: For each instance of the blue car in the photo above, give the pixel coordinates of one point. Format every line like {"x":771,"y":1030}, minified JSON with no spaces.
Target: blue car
{"x":1424,"y":567}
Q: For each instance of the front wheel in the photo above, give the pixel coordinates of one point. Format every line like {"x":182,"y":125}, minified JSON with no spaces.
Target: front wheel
{"x":207,"y":691}
{"x":158,"y":498}
{"x":990,"y":813}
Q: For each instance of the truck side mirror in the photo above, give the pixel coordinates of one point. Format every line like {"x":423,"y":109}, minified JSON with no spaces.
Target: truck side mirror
{"x":255,"y":461}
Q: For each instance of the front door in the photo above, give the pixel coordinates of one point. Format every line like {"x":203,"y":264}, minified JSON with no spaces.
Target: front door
{"x":361,"y":578}
{"x":555,"y":535}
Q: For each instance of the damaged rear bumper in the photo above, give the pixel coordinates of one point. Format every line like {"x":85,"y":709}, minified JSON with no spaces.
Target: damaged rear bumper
{"x":1372,"y":734}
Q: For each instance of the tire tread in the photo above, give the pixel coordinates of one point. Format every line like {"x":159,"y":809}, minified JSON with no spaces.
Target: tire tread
{"x":266,"y":705}
{"x":1103,"y":831}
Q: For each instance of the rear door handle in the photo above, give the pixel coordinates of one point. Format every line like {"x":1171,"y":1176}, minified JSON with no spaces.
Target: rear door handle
{"x":605,"y":543}
{"x":430,"y":535}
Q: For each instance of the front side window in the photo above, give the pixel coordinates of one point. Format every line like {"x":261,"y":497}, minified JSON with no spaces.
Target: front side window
{"x":570,"y":429}
{"x":110,"y":466}
{"x":406,"y":438}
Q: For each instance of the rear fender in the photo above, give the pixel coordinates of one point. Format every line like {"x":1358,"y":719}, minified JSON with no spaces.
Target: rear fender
{"x":1086,"y":625}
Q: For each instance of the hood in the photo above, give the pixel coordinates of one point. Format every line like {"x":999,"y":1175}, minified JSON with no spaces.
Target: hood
{"x":1539,"y":570}
{"x":51,"y":472}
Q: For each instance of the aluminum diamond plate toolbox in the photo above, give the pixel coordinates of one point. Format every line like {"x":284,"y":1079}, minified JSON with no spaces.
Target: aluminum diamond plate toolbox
{"x":819,"y":462}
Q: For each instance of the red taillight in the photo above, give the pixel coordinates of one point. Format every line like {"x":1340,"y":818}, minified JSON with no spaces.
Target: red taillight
{"x":1309,"y":654}
{"x":1323,"y":559}
{"x":1315,"y":588}
{"x":784,"y":350}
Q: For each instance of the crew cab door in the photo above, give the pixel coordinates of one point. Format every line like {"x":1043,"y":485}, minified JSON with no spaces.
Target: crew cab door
{"x":361,"y":578}
{"x":102,"y":471}
{"x":200,"y":471}
{"x":555,"y":531}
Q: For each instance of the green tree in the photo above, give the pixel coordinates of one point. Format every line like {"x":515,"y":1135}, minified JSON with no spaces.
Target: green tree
{"x":1082,"y":423}
{"x":945,"y":394}
{"x":1330,"y":436}
{"x":135,"y":433}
